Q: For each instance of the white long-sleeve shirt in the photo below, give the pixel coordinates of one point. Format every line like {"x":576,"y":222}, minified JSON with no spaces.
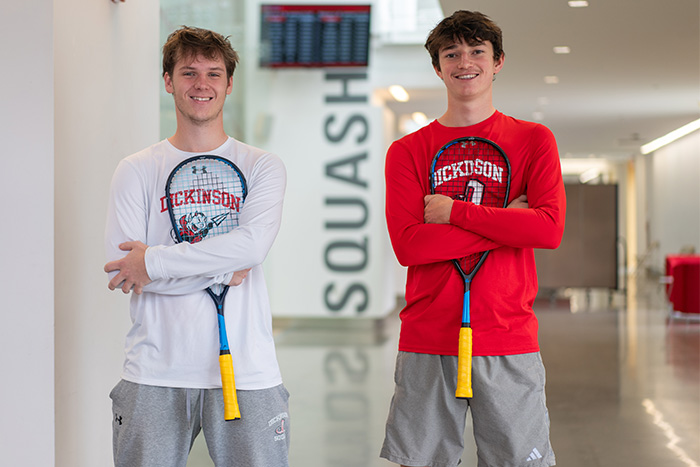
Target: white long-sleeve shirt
{"x":173,"y":341}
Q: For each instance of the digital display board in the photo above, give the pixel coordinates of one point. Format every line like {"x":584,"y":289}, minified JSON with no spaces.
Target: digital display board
{"x":314,"y":36}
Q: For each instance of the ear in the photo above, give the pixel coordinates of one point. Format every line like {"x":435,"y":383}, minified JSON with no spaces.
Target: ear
{"x":438,"y":72}
{"x":168,"y":83}
{"x":498,"y":65}
{"x":229,"y":88}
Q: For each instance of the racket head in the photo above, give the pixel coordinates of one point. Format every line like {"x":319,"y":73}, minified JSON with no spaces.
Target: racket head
{"x":471,"y":169}
{"x":204,"y":195}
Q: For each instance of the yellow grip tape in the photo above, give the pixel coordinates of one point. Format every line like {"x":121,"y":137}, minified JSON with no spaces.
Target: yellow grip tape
{"x":231,"y":410}
{"x":464,"y":364}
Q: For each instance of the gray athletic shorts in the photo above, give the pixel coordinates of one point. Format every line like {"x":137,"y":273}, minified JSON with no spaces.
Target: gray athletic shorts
{"x":156,"y":426}
{"x":426,"y":422}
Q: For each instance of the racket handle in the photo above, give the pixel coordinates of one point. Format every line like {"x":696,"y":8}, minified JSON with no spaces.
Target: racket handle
{"x":464,"y":364}
{"x":231,"y":410}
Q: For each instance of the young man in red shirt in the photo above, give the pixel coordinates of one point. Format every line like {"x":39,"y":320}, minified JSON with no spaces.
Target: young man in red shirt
{"x":426,"y":422}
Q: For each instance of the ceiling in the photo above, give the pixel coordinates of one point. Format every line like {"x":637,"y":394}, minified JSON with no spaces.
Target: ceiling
{"x":633,"y":73}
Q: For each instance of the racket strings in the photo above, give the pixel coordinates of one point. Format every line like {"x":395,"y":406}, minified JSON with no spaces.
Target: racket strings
{"x":206,"y":198}
{"x":476,"y":171}
{"x":473,"y":171}
{"x":469,"y":263}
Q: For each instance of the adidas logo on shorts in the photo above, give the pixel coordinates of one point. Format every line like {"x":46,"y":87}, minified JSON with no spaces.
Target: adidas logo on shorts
{"x":534,"y":455}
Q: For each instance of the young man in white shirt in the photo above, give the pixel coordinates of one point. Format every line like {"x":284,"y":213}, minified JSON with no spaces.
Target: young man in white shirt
{"x":170,"y":387}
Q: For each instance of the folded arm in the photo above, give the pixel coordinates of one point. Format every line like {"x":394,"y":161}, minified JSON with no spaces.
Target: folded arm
{"x":170,"y":270}
{"x":242,"y":248}
{"x":129,"y":274}
{"x":539,"y":226}
{"x":127,"y":222}
{"x":415,"y":241}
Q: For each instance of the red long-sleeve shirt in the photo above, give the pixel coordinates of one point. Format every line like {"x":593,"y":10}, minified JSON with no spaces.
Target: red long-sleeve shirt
{"x":504,"y":288}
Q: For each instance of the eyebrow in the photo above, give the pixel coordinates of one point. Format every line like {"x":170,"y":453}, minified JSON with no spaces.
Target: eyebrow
{"x":454,"y":45}
{"x":216,"y":68}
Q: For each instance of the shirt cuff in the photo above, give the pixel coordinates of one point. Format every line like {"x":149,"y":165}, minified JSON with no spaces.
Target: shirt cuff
{"x":154,"y":268}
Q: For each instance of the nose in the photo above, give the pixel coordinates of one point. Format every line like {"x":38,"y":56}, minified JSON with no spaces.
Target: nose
{"x":464,"y":61}
{"x":201,"y":82}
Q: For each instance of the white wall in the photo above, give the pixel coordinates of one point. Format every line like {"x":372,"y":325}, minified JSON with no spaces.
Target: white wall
{"x":26,"y":261}
{"x":107,"y":77}
{"x":674,"y":203}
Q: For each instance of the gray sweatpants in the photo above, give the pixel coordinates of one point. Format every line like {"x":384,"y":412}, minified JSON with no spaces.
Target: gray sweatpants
{"x":156,"y":426}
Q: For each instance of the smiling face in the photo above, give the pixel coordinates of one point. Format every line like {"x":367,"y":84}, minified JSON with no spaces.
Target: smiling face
{"x":199,"y":86}
{"x":468,"y":70}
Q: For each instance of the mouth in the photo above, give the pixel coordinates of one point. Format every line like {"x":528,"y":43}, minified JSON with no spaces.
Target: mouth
{"x":201,"y":99}
{"x":467,"y":76}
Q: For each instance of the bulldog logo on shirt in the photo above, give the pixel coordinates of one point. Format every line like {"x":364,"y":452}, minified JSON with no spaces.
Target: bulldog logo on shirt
{"x":193,"y":227}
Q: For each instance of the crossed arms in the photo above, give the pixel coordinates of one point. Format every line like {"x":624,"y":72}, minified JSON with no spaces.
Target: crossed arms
{"x":153,"y":264}
{"x":132,"y":274}
{"x":433,"y":228}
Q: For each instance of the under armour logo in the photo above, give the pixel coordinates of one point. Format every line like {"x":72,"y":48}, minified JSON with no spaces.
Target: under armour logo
{"x":117,"y":419}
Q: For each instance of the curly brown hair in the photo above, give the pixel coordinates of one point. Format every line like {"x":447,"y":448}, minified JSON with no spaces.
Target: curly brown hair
{"x":188,"y":43}
{"x":470,"y":27}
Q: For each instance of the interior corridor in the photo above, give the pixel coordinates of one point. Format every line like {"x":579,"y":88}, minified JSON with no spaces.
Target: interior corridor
{"x":623,"y":383}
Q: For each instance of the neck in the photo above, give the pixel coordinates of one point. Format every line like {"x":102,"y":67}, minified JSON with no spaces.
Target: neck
{"x":191,"y":138}
{"x":466,"y":114}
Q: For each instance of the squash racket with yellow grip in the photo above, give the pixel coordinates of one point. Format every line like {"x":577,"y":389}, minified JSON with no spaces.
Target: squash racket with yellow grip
{"x":476,"y":170}
{"x":204,"y":195}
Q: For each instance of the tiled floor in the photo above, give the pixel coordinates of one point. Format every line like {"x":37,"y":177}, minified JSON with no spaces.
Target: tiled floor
{"x":623,"y":385}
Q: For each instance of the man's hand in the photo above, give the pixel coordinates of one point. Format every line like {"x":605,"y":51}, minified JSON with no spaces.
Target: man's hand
{"x":437,"y":209}
{"x":520,"y":202}
{"x":132,"y":269}
{"x":238,"y":277}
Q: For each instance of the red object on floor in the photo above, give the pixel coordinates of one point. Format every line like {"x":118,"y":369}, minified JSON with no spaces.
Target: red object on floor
{"x":684,"y":290}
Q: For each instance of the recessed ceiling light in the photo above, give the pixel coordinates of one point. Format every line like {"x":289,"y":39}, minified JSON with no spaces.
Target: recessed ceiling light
{"x":419,"y":117}
{"x":399,"y":93}
{"x":578,"y":3}
{"x":410,"y":123}
{"x":551,"y":79}
{"x":562,"y":49}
